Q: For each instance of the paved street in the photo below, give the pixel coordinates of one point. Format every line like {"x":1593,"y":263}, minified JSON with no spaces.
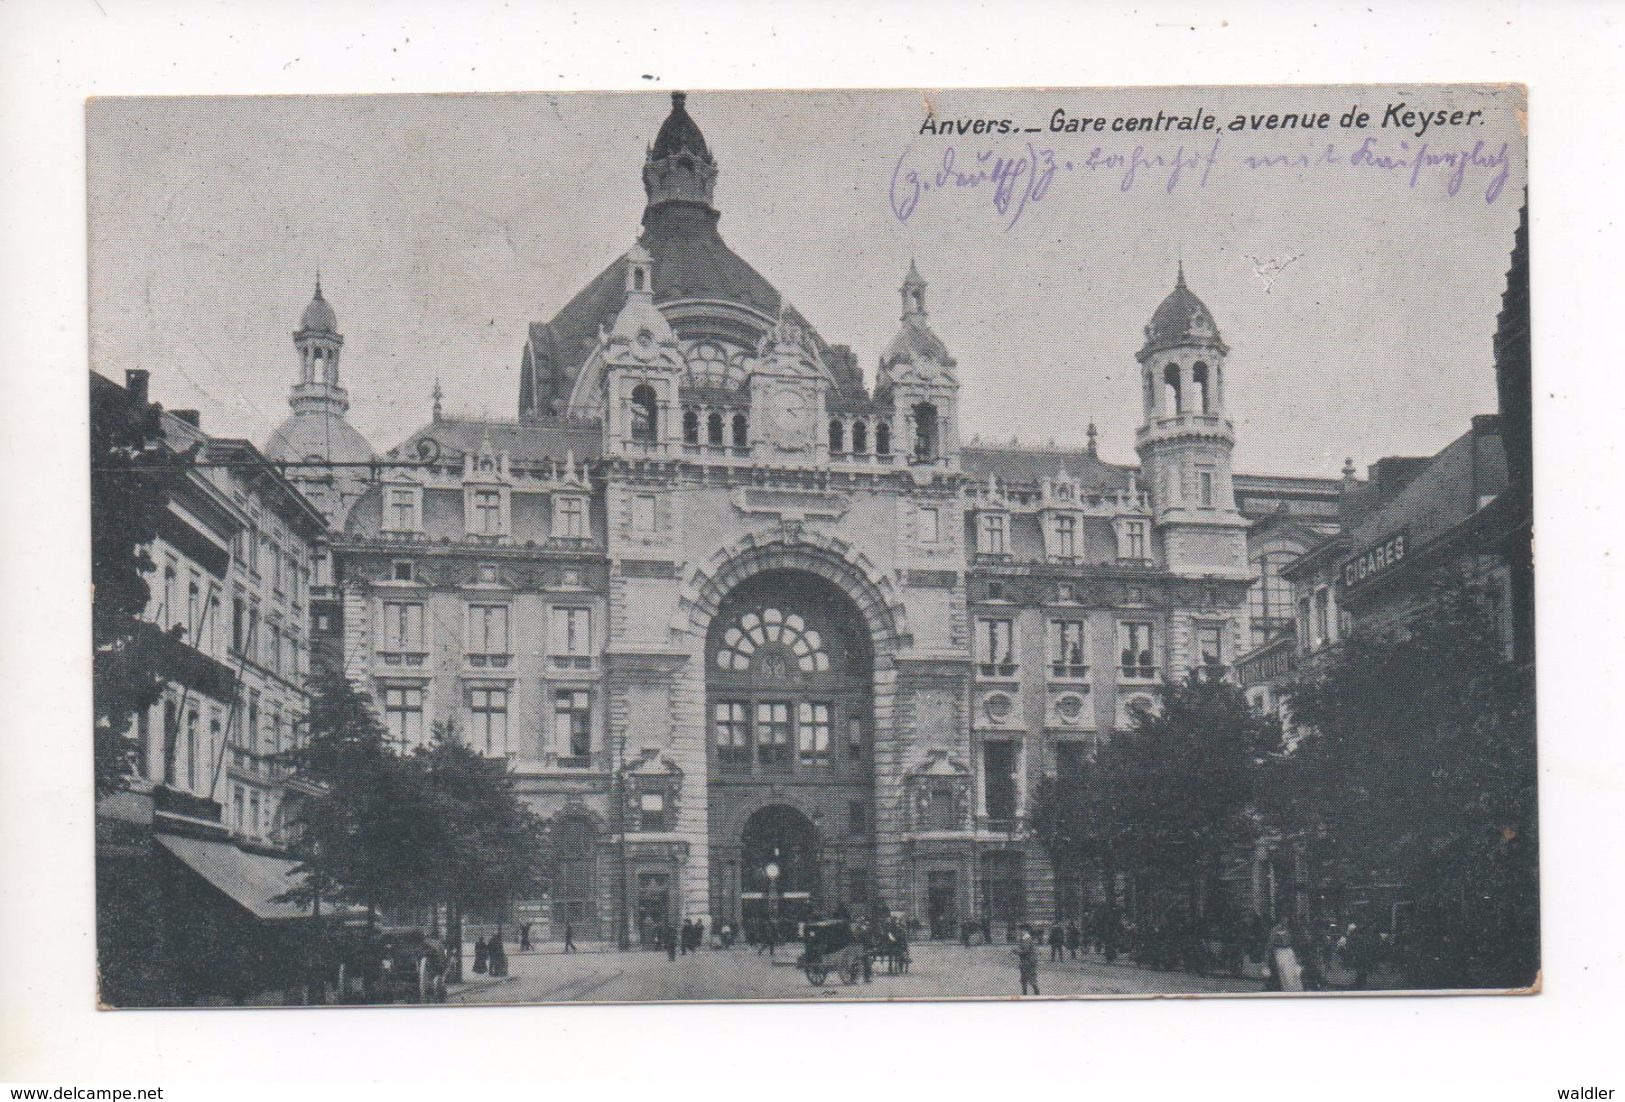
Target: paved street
{"x":938,"y":971}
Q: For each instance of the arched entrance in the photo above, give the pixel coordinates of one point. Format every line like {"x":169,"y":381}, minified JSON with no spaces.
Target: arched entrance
{"x":779,"y":866}
{"x":790,"y":708}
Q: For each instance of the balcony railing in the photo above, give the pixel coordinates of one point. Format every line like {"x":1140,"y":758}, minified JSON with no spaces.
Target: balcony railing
{"x":1074,"y":671}
{"x":1138,"y":671}
{"x":403,"y":658}
{"x":571,"y":661}
{"x":489,"y":661}
{"x":996,"y":669}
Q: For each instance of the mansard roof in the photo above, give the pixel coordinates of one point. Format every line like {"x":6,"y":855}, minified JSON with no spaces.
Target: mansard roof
{"x":1015,"y":464}
{"x":530,"y":442}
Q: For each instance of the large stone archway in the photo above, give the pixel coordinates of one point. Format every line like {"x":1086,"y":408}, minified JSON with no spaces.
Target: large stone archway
{"x":712,"y":888}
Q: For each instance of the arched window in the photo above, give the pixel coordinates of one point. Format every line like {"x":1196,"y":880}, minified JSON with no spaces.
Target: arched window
{"x":691,"y":426}
{"x":713,"y":430}
{"x":741,"y":429}
{"x":837,"y":436}
{"x":1172,"y":399}
{"x":925,"y":432}
{"x":883,"y":439}
{"x":1201,"y":396}
{"x":860,"y":437}
{"x":645,"y":414}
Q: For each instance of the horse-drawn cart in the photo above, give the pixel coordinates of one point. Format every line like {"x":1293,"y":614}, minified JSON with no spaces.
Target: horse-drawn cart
{"x":833,"y":950}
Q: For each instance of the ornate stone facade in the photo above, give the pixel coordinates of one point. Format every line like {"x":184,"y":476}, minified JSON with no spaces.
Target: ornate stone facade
{"x":723,"y":604}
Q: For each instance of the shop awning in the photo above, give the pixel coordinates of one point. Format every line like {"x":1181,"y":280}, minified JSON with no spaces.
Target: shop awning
{"x":251,"y":880}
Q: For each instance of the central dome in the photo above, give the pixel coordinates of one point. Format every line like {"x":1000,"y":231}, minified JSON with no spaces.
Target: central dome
{"x":319,"y":317}
{"x":689,"y":261}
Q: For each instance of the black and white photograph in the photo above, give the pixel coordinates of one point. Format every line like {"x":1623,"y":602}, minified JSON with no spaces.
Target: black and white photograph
{"x":686,"y":546}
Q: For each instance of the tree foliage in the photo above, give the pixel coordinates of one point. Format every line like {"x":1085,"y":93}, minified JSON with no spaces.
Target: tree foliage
{"x":388,"y":829}
{"x":1167,"y":801}
{"x":132,"y":475}
{"x":1417,"y":765}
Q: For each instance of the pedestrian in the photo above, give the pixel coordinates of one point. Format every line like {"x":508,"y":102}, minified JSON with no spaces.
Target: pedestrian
{"x":987,"y":930}
{"x":569,"y":937}
{"x":1026,"y":952}
{"x":1057,"y":942}
{"x":482,"y":955}
{"x":671,"y":941}
{"x":499,"y":957}
{"x":1074,"y":938}
{"x":524,"y":937}
{"x":699,"y":933}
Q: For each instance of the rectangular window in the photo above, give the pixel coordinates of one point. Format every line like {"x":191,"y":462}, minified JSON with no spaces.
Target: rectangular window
{"x":773,"y":732}
{"x":273,"y":731}
{"x":169,"y":613}
{"x":812,"y":733}
{"x":254,"y":550}
{"x":239,"y":625}
{"x":1066,"y":537}
{"x":652,"y":812}
{"x":643,"y":512}
{"x":854,"y":738}
{"x":857,"y":817}
{"x":253,"y":825}
{"x":401,"y":570}
{"x":487,"y":512}
{"x":401,"y":511}
{"x":570,"y":637}
{"x":172,"y":729}
{"x":1322,"y":626}
{"x":570,"y":520}
{"x":191,"y":749}
{"x":488,"y":635}
{"x":733,"y":735}
{"x":991,"y":539}
{"x":488,"y":721}
{"x":238,"y":815}
{"x":942,"y":808}
{"x":1135,"y":641}
{"x":1210,"y":647}
{"x":276,"y":567}
{"x":930,"y":524}
{"x":994,"y":651}
{"x":403,"y":715}
{"x":572,"y":725}
{"x":194,"y":596}
{"x":251,"y":735}
{"x":403,"y":626}
{"x":1303,"y":624}
{"x":1067,"y":649}
{"x":1204,"y":486}
{"x":999,"y":779}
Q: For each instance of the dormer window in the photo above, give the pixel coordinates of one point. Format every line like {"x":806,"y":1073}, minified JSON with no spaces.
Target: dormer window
{"x":569,"y":517}
{"x":1065,"y":531}
{"x":1132,"y":541}
{"x":992,"y":534}
{"x":487,"y":515}
{"x":403,"y":509}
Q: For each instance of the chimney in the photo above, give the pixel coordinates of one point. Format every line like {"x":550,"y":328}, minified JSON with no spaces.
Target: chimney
{"x":190,"y":416}
{"x":1486,"y":424}
{"x":135,"y":381}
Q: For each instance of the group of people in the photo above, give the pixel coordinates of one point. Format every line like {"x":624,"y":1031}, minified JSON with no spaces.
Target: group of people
{"x":490,"y":958}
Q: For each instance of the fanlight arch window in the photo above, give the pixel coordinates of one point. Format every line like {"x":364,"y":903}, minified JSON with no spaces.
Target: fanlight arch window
{"x":1202,"y":399}
{"x":837,"y":436}
{"x":860,"y":437}
{"x":882,"y":439}
{"x":713,"y":430}
{"x":1173,"y":398}
{"x":710,"y":366}
{"x":771,"y":626}
{"x":741,"y":431}
{"x":691,"y":427}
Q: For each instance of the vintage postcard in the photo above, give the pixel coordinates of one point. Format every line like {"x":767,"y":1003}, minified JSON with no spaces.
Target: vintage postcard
{"x":910,"y":544}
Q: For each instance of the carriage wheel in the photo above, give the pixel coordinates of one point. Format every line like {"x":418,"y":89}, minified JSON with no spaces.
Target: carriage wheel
{"x":817,"y":975}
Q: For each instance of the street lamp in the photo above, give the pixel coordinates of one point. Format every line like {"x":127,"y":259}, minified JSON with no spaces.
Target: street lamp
{"x":772,"y":871}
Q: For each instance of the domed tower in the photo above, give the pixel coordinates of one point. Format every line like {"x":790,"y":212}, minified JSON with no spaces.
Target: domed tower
{"x":922,"y":381}
{"x":317,"y":431}
{"x":679,"y":167}
{"x":1186,"y":439}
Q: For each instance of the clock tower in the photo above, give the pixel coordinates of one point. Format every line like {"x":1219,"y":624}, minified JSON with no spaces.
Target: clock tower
{"x":787,"y":396}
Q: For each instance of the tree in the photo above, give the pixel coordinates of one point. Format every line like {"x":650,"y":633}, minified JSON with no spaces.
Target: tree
{"x":367,"y":832}
{"x":1184,"y":783}
{"x":488,"y":845}
{"x":1417,"y":763}
{"x":1076,"y":819}
{"x":132,"y":474}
